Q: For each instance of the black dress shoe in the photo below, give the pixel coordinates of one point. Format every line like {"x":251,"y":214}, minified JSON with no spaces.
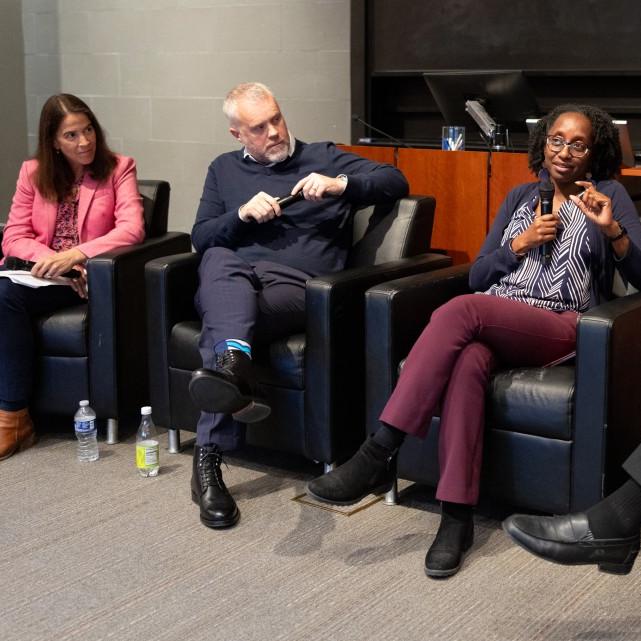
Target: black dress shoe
{"x":569,"y":540}
{"x":217,"y":506}
{"x":229,"y":389}
{"x":370,"y":471}
{"x":453,"y":539}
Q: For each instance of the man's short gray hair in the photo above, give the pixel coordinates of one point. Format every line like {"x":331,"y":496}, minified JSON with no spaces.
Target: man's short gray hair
{"x":255,"y":91}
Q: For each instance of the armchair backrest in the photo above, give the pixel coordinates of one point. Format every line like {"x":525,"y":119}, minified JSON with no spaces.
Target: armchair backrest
{"x":383,"y":233}
{"x":155,"y":202}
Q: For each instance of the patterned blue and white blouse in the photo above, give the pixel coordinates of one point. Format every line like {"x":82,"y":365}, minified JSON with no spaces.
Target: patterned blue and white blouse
{"x":586,"y":279}
{"x":563,"y":283}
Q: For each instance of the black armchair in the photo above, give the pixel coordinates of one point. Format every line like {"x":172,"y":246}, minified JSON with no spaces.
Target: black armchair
{"x":314,"y":381}
{"x":97,"y":350}
{"x":555,"y":436}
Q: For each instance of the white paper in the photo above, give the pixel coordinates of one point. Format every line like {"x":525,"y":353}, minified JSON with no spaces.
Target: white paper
{"x":22,"y":277}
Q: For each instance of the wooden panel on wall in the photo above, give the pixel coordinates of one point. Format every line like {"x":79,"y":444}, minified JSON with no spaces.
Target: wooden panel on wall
{"x":506,"y":171}
{"x":377,"y":154}
{"x":459,"y":182}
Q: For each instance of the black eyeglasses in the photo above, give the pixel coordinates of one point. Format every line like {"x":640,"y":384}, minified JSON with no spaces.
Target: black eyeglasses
{"x":577,"y":148}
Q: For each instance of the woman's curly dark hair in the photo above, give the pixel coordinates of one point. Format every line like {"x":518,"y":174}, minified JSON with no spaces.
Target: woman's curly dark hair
{"x":605,"y":150}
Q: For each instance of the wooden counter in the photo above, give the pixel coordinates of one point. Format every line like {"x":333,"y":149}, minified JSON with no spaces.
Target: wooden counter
{"x":459,"y":182}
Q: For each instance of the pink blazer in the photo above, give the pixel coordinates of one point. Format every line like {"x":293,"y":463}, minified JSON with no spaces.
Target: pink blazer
{"x":109,"y":214}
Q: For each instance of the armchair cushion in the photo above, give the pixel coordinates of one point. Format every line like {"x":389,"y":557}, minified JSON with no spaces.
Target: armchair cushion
{"x":63,"y":333}
{"x":532,"y":400}
{"x":387,"y":232}
{"x":183,"y":345}
{"x":282,"y":362}
{"x":155,"y":206}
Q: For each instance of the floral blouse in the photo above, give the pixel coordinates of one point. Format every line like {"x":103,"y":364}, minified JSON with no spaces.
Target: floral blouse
{"x":65,"y":235}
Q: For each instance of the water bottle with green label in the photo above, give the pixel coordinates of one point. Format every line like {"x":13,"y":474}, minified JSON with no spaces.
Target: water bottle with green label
{"x":147,"y":449}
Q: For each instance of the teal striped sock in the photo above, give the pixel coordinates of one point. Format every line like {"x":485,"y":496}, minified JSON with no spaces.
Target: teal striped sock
{"x":233,"y":343}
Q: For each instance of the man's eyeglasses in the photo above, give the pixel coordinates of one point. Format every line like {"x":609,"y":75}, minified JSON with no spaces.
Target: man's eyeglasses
{"x":577,"y":148}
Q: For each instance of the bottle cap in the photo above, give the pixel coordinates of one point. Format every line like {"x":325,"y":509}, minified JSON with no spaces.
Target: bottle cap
{"x":84,"y":403}
{"x":145,"y":410}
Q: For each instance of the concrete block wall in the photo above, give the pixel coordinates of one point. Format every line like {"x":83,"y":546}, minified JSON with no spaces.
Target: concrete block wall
{"x":156,"y":72}
{"x":13,"y":124}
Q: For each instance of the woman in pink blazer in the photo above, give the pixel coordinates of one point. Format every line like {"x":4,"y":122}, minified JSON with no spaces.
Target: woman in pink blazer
{"x":74,"y":200}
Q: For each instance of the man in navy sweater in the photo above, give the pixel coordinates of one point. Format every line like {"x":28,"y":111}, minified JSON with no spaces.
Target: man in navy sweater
{"x":256,"y":258}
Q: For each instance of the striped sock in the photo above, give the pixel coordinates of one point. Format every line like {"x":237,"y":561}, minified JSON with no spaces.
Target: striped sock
{"x":233,"y":343}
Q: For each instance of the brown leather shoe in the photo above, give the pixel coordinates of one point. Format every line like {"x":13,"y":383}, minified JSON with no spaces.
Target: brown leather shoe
{"x":16,"y":432}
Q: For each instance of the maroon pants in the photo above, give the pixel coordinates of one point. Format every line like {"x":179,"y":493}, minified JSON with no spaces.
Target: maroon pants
{"x":450,"y":365}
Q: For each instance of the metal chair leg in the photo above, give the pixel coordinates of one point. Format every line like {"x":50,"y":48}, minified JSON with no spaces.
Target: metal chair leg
{"x":391,"y":496}
{"x":112,"y":431}
{"x":174,"y":441}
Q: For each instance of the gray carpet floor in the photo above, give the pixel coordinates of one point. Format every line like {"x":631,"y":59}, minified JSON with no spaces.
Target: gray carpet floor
{"x":93,"y":552}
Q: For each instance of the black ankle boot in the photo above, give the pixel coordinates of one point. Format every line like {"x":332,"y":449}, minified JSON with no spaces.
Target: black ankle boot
{"x":217,"y":506}
{"x":370,"y":471}
{"x":454,"y":537}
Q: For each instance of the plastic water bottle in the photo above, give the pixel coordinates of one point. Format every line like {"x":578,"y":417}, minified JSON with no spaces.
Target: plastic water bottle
{"x":84,"y":423}
{"x":147,"y":448}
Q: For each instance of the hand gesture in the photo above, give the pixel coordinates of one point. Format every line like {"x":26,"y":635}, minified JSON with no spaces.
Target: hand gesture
{"x":261,"y":208}
{"x":597,"y":207}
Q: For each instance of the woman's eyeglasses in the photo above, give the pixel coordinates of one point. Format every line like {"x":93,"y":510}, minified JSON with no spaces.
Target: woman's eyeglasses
{"x":577,"y":148}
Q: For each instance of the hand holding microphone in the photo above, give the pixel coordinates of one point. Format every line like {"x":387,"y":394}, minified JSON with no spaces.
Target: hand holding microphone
{"x":263,"y":207}
{"x":286,"y":201}
{"x":546,"y":195}
{"x":542,"y":230}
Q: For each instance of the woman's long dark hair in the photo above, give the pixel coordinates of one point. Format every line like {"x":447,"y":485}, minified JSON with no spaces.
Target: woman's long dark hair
{"x":605,"y":150}
{"x":54,"y":177}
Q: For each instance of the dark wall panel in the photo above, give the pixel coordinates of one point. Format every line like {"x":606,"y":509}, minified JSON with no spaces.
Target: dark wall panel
{"x":583,"y":51}
{"x":541,"y":34}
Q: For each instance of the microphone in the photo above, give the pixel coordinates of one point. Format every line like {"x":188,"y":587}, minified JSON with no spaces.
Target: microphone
{"x":26,"y":265}
{"x":546,"y":194}
{"x":286,"y":201}
{"x":357,"y":118}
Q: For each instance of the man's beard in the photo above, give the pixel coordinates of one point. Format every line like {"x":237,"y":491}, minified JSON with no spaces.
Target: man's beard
{"x":277,"y":153}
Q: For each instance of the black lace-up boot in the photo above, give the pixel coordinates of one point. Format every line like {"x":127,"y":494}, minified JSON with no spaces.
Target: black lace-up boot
{"x":217,"y":506}
{"x":229,"y":389}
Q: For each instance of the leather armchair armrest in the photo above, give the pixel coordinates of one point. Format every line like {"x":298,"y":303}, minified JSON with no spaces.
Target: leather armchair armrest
{"x":117,"y":320}
{"x":396,"y":312}
{"x":334,"y":356}
{"x":171,"y":283}
{"x":608,"y":403}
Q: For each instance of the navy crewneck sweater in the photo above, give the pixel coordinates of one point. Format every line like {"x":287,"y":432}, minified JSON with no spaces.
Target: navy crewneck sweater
{"x":313,"y":237}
